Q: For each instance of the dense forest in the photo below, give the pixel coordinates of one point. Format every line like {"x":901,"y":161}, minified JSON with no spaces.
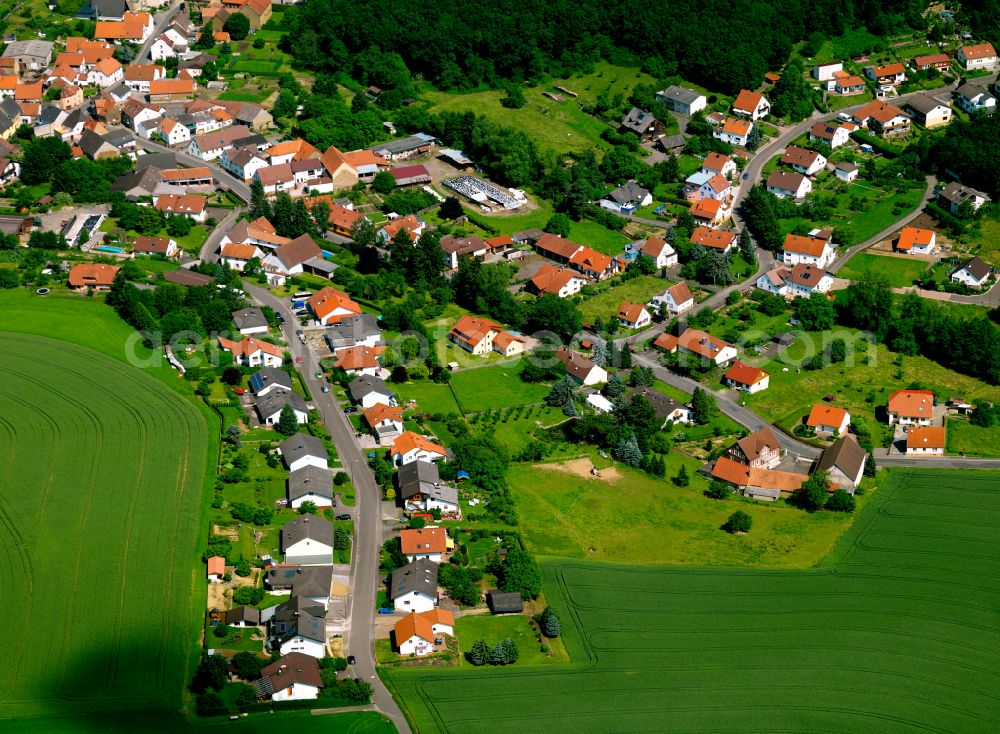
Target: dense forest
{"x":460,"y":44}
{"x":971,"y":152}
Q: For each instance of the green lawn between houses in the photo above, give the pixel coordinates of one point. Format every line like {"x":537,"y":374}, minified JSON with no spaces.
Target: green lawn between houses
{"x":491,"y":388}
{"x":964,"y":438}
{"x":605,"y":302}
{"x":894,"y":631}
{"x":900,"y":272}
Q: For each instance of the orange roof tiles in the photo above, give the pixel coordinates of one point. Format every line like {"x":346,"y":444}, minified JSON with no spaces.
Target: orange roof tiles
{"x":180,"y":203}
{"x":382,"y":412}
{"x":666,"y":342}
{"x":550,"y":279}
{"x":680,"y":292}
{"x":420,"y":541}
{"x":804,"y":245}
{"x":701,"y":343}
{"x":171,"y":86}
{"x":826,"y":415}
{"x":630,"y":312}
{"x":979,"y":51}
{"x":747,"y":101}
{"x":249,"y":346}
{"x":327,"y":300}
{"x":358,"y":358}
{"x":910,"y":237}
{"x":408,"y":441}
{"x":746,"y":374}
{"x":239,"y":251}
{"x":925,"y":437}
{"x":736,"y":127}
{"x":912,"y":403}
{"x":471,"y":330}
{"x":92,"y":274}
{"x":216,"y":566}
{"x":714,"y":238}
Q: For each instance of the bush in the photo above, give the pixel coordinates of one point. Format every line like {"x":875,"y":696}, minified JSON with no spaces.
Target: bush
{"x":248,"y":596}
{"x":840,"y":501}
{"x":738,"y":522}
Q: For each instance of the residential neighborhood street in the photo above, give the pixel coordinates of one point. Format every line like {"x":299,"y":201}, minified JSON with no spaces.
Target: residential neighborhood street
{"x":367,"y":514}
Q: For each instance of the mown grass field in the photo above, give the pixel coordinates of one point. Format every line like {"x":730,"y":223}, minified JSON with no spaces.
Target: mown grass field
{"x":489,"y":388}
{"x":637,"y":518}
{"x":900,"y":272}
{"x":101,"y":523}
{"x":896,"y":632}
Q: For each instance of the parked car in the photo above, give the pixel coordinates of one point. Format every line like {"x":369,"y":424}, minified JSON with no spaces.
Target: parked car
{"x":343,"y":517}
{"x":384,"y":610}
{"x":351,"y":660}
{"x":298,"y":360}
{"x":325,"y":388}
{"x":350,"y":409}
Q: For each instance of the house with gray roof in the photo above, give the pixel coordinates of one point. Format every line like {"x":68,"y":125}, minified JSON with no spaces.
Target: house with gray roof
{"x":667,"y":409}
{"x":626,"y":198}
{"x":367,"y":390}
{"x":683,"y":100}
{"x":413,"y":587}
{"x":310,"y":484}
{"x":269,"y":378}
{"x":139,"y":183}
{"x":973,"y":273}
{"x":299,"y":629}
{"x":242,"y":617}
{"x":269,"y":406}
{"x":32,"y":54}
{"x":403,"y":148}
{"x":504,"y":602}
{"x":360,"y":330}
{"x":308,"y":541}
{"x":250,"y":321}
{"x":303,"y":450}
{"x":642,"y":123}
{"x":845,"y":460}
{"x":312,"y":583}
{"x":421,"y":488}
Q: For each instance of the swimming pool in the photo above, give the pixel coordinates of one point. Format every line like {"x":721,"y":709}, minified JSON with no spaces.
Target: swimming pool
{"x":109,"y":248}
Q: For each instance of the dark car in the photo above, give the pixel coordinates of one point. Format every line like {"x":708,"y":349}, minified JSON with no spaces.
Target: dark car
{"x":281,"y":319}
{"x":343,"y":517}
{"x":351,"y":660}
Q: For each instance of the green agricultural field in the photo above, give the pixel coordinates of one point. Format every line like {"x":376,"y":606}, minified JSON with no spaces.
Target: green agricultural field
{"x":101,"y":523}
{"x":792,"y":394}
{"x":900,"y":272}
{"x":964,"y":438}
{"x":896,"y":631}
{"x":627,"y":516}
{"x":637,"y":290}
{"x":489,"y":388}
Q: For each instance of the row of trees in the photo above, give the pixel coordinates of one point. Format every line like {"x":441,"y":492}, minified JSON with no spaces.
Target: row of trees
{"x":912,"y":325}
{"x":504,"y":652}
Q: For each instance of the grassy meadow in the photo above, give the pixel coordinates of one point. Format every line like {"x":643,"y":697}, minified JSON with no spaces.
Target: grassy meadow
{"x":628,"y":516}
{"x":559,"y":126}
{"x":896,"y":632}
{"x":900,"y":272}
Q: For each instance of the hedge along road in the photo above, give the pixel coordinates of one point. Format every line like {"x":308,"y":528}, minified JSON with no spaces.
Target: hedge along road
{"x":896,"y":631}
{"x":100,"y":522}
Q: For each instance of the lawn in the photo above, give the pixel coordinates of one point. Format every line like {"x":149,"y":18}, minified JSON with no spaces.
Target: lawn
{"x":633,"y":517}
{"x":191,"y":242}
{"x":900,"y":272}
{"x":983,"y":240}
{"x":515,"y":626}
{"x":896,"y":632}
{"x":490,"y":388}
{"x":597,"y":236}
{"x":431,"y":397}
{"x":605,"y":302}
{"x":102,"y":553}
{"x":557,"y":126}
{"x":964,"y":438}
{"x":862,"y":388}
